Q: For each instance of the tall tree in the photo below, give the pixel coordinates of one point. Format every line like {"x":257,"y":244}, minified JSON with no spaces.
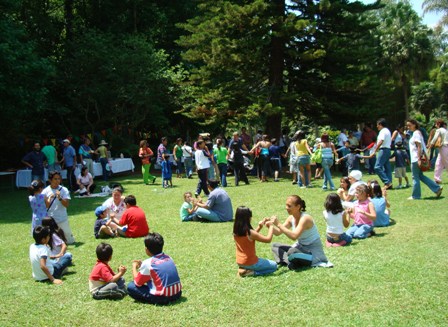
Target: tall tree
{"x":405,"y":46}
{"x":439,"y":7}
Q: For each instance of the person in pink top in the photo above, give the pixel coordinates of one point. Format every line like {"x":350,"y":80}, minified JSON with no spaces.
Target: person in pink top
{"x":363,"y":213}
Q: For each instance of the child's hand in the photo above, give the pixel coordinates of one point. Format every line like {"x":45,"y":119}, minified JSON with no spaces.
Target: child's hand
{"x":136,"y":263}
{"x":274,"y":220}
{"x":122,"y":269}
{"x":57,"y":281}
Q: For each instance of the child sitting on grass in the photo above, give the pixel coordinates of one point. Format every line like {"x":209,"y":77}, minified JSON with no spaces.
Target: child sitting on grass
{"x":105,"y":226}
{"x":336,"y":219}
{"x":363,"y":213}
{"x":156,"y":280}
{"x":245,"y":236}
{"x":58,"y":242}
{"x":103,"y":282}
{"x":381,"y":204}
{"x":188,"y":208}
{"x":44,"y":268}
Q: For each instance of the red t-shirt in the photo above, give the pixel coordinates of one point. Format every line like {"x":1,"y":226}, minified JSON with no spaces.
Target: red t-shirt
{"x":135,"y":218}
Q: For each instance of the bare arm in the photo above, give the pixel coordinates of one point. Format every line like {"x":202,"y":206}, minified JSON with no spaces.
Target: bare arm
{"x":254,"y":235}
{"x":117,"y":276}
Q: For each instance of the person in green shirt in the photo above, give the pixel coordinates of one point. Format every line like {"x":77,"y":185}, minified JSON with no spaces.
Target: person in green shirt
{"x":222,"y":155}
{"x":52,"y":156}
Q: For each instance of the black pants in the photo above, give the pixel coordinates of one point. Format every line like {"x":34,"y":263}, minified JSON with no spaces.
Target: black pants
{"x":202,"y":185}
{"x":240,"y":173}
{"x":71,"y":179}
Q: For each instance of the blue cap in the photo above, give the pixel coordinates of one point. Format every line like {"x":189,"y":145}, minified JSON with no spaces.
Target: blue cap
{"x":99,"y":210}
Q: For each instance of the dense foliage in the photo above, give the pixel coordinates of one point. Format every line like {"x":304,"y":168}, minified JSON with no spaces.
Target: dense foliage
{"x":179,"y":67}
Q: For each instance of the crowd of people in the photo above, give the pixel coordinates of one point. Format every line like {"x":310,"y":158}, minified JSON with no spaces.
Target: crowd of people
{"x":351,"y":212}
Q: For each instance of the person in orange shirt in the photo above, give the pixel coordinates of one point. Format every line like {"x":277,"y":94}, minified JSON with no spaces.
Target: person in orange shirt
{"x":145,"y":153}
{"x":245,"y":236}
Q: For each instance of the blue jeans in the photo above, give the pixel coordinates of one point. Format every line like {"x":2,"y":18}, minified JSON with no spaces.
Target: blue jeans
{"x":262,"y":267}
{"x":61,"y":264}
{"x":382,"y":166}
{"x":208,"y":214}
{"x":103,"y":162}
{"x":359,"y":231}
{"x":179,"y":168}
{"x":417,"y":176}
{"x":342,"y":237}
{"x":188,"y":162}
{"x":223,"y":173}
{"x":142,"y":294}
{"x":326,"y":165}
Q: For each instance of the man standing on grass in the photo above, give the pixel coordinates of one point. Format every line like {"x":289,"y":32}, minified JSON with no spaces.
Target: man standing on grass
{"x":35,"y":160}
{"x":218,"y":207}
{"x":383,"y":144}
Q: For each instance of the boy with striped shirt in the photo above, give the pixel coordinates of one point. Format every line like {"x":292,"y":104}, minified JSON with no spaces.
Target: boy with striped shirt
{"x":156,"y":279}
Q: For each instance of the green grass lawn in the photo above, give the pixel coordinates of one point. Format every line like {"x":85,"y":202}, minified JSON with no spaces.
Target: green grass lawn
{"x":398,"y":278}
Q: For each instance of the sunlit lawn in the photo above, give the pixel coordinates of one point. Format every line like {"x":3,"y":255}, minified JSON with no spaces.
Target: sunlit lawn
{"x":398,"y":277}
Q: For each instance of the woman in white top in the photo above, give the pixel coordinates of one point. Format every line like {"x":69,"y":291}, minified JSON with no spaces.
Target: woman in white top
{"x":116,"y":204}
{"x":417,"y":150}
{"x":440,"y":135}
{"x":85,"y":182}
{"x":201,"y":156}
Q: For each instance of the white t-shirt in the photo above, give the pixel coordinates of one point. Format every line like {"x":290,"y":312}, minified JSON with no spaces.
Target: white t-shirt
{"x":117,"y":209}
{"x":85,"y":180}
{"x":342,"y":138}
{"x":57,"y":210}
{"x":334,"y":222}
{"x":417,"y":137}
{"x":38,"y":251}
{"x":201,"y":160}
{"x":386,"y":137}
{"x":352,"y":189}
{"x":187,"y":151}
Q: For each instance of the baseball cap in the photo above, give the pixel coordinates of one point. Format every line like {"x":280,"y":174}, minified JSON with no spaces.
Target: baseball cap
{"x":99,"y":210}
{"x":356,"y":174}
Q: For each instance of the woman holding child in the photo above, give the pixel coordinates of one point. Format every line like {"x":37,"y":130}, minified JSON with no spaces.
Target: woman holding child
{"x":307,"y":249}
{"x":59,"y":198}
{"x":116,"y":204}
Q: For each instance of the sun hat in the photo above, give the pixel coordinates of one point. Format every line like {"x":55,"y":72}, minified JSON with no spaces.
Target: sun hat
{"x":99,"y":210}
{"x":66,"y":141}
{"x":356,"y":174}
{"x":103,"y":142}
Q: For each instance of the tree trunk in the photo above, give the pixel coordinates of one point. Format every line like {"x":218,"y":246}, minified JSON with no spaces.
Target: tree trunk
{"x":68,"y":15}
{"x":276,"y":67}
{"x":404,"y":82}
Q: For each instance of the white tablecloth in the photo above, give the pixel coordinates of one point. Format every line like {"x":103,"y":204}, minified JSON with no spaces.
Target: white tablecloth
{"x":23,"y":177}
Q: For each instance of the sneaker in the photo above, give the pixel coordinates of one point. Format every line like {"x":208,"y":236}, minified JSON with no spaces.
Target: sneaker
{"x":244,"y":272}
{"x":302,"y":186}
{"x":399,"y":186}
{"x":124,"y":228}
{"x":407,"y":185}
{"x":411,"y":198}
{"x":294,"y":183}
{"x":439,"y":192}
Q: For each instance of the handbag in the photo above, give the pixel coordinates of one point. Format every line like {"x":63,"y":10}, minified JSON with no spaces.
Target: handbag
{"x":438,"y":142}
{"x":317,"y":156}
{"x":424,"y":164}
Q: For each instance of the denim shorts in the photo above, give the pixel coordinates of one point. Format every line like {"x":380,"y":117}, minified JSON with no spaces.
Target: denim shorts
{"x":304,"y":160}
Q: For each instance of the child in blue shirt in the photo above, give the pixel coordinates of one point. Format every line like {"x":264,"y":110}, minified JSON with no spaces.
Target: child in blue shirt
{"x":401,"y":161}
{"x":167,"y":171}
{"x":353,"y":159}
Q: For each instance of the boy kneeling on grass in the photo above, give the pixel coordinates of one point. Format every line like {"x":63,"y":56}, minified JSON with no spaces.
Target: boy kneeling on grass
{"x":44,"y":268}
{"x":103,"y":282}
{"x":156,"y":280}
